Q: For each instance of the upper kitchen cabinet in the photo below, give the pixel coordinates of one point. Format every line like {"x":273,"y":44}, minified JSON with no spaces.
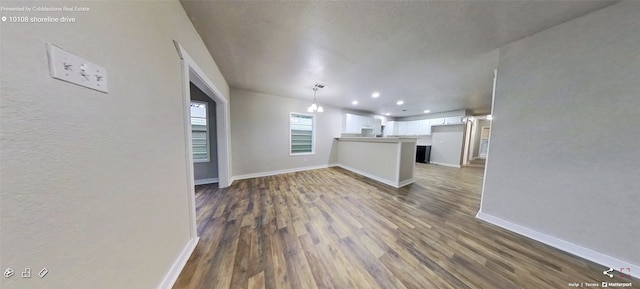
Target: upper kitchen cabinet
{"x":352,"y":124}
{"x":436,"y":121}
{"x":408,"y":128}
{"x":391,"y":128}
{"x":412,"y":127}
{"x":424,"y":127}
{"x":377,"y":126}
{"x":403,"y":128}
{"x":453,"y":120}
{"x":355,"y":123}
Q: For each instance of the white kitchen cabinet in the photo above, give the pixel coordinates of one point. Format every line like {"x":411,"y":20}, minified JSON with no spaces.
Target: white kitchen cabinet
{"x":419,"y":127}
{"x":403,"y":128}
{"x":436,"y":121}
{"x":412,"y":127}
{"x":366,"y":122}
{"x":355,"y":123}
{"x":424,"y":127}
{"x":362,"y":122}
{"x":391,"y":128}
{"x":377,"y":126}
{"x":383,"y":120}
{"x":348,"y":120}
{"x":453,"y":120}
{"x":352,"y":123}
{"x":407,"y":128}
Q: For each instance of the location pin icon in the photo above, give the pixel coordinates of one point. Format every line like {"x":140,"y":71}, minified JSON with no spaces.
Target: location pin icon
{"x":4,"y":19}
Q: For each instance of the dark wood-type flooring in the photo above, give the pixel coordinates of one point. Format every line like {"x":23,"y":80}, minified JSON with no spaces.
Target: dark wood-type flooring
{"x":331,"y":228}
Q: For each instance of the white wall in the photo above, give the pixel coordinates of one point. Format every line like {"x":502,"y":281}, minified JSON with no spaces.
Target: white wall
{"x":446,"y":146}
{"x":260,"y":133}
{"x":93,"y":187}
{"x":564,"y":158}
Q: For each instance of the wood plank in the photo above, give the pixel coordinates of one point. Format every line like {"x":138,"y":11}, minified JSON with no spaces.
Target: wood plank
{"x":256,"y":281}
{"x":331,"y":228}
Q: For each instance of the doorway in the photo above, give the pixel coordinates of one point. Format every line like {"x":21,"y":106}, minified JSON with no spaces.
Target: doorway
{"x":477,"y":143}
{"x":193,"y":75}
{"x":204,"y":142}
{"x":485,"y":132}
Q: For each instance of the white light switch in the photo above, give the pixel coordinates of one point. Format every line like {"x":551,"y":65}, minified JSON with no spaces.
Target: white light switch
{"x":68,"y":67}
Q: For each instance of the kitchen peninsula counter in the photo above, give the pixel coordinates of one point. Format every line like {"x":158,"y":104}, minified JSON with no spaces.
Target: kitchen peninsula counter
{"x":389,"y":160}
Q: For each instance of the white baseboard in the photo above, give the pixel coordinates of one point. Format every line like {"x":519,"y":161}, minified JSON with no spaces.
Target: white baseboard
{"x":406,"y":182}
{"x":176,"y":268}
{"x":445,"y":164}
{"x":205,"y":181}
{"x":591,"y":255}
{"x":278,"y":172}
{"x":379,"y":179}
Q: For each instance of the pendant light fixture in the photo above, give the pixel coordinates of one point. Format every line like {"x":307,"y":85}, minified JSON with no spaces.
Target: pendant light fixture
{"x":314,"y":107}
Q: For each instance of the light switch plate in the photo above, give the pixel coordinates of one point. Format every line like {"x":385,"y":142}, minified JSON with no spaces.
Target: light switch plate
{"x":71,"y":68}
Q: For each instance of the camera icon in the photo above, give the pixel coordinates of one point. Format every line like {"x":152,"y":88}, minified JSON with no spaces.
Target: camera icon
{"x":8,"y":273}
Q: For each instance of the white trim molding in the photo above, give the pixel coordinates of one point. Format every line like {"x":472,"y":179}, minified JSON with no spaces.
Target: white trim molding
{"x":394,"y":184}
{"x":445,"y":164}
{"x":191,"y":72}
{"x":406,"y":182}
{"x":205,"y":181}
{"x":172,"y":276}
{"x":186,"y":99}
{"x":591,"y":255}
{"x":278,"y":172}
{"x":376,"y":178}
{"x":294,"y":170}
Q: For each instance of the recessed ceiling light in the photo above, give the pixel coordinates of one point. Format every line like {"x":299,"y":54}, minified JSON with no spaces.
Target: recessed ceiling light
{"x":375,"y":95}
{"x":355,"y":102}
{"x":400,"y":102}
{"x":427,"y":111}
{"x":387,"y":113}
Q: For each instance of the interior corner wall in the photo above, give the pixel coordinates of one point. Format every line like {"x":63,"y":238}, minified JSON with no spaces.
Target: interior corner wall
{"x":93,"y":185}
{"x":260,"y":133}
{"x":447,"y":144}
{"x":564,"y":158}
{"x":207,"y":170}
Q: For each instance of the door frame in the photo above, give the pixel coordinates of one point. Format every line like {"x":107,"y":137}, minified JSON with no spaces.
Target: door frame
{"x":191,"y":73}
{"x":480,"y":156}
{"x":468,"y":140}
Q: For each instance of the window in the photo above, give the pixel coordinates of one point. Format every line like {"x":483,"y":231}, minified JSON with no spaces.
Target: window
{"x":302,"y":132}
{"x":199,"y":131}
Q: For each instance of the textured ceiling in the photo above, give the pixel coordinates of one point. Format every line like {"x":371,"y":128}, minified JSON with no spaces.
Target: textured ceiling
{"x":436,"y":55}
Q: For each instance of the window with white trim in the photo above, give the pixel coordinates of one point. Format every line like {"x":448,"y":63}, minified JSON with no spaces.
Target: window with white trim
{"x":301,"y":134}
{"x":200,"y":131}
